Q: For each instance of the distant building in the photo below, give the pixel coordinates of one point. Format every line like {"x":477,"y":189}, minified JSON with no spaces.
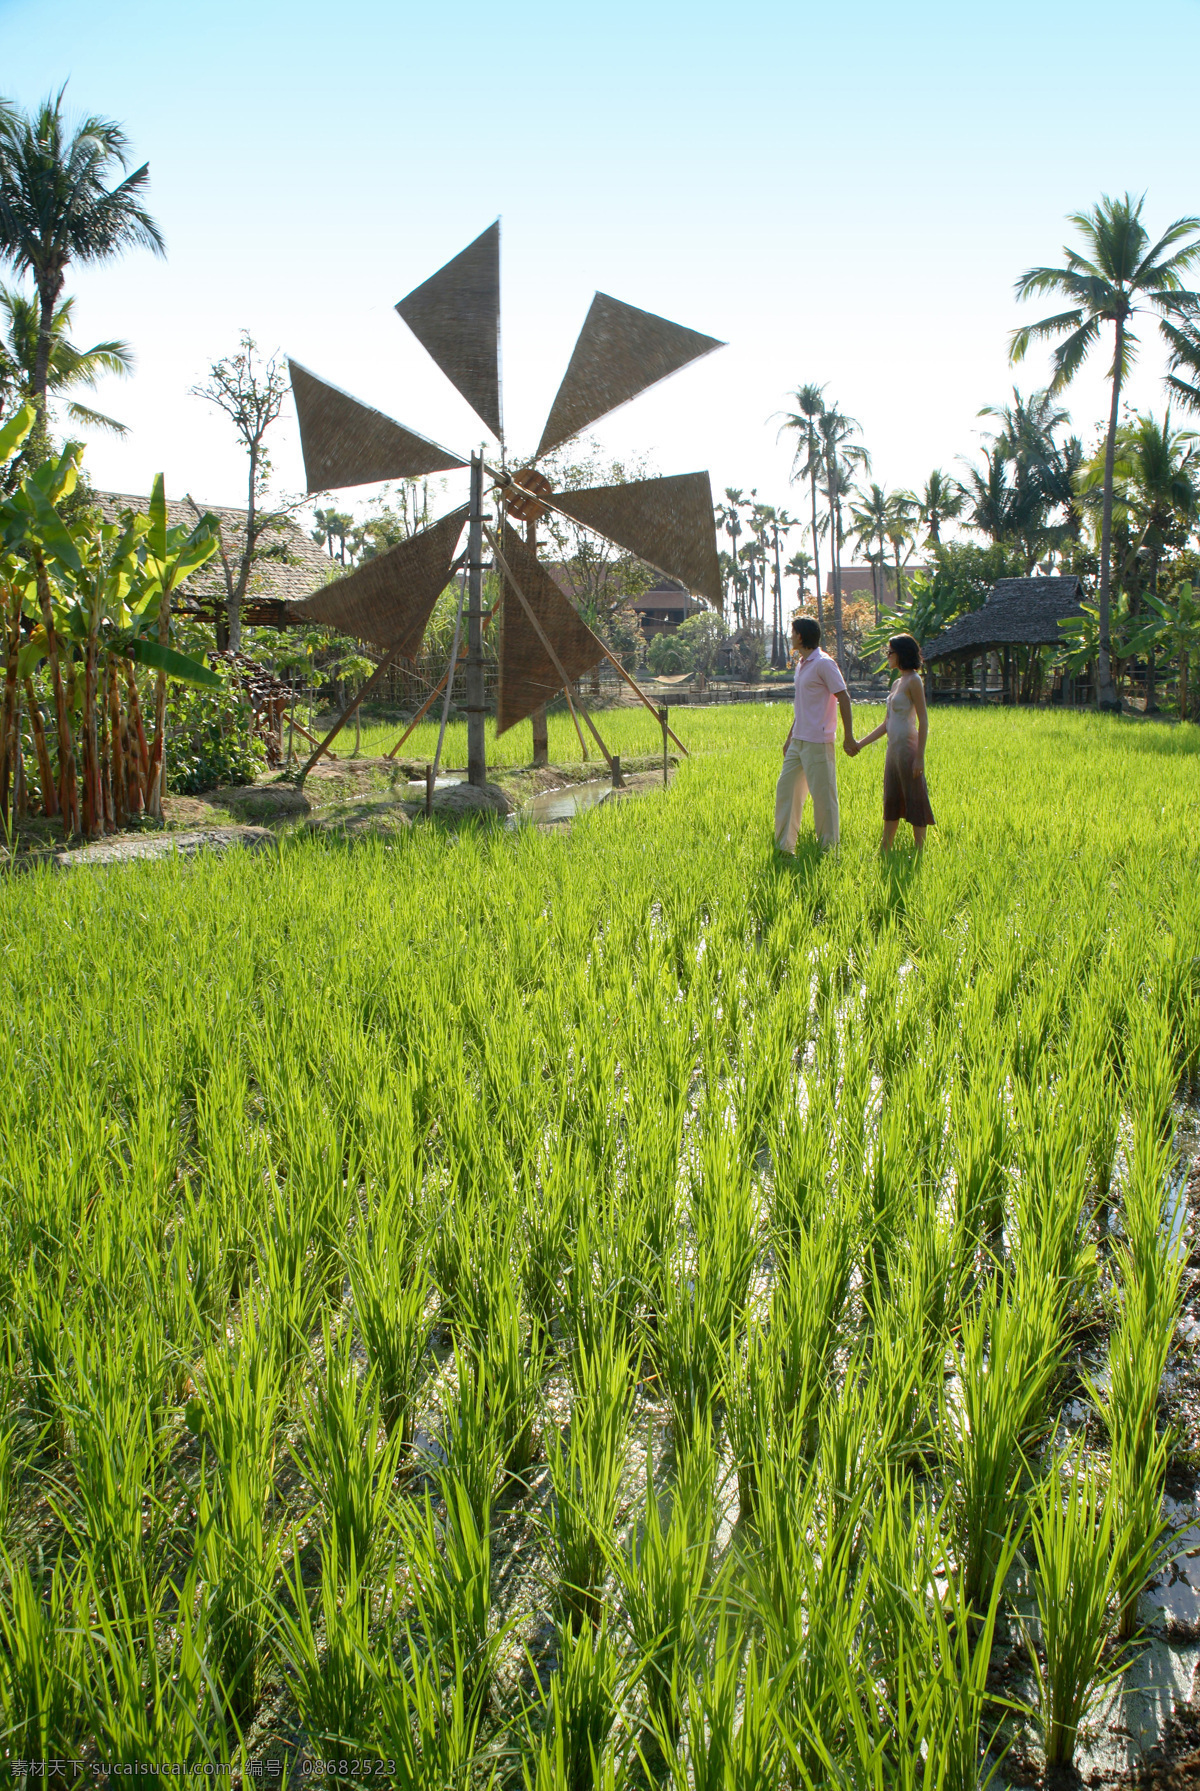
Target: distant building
{"x":859,"y":581}
{"x":664,"y":606}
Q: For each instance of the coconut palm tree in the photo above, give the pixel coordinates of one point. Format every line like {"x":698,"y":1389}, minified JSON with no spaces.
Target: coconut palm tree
{"x":59,"y":204}
{"x":1155,"y":472}
{"x":869,"y":525}
{"x":69,"y":366}
{"x":941,"y":501}
{"x":1116,"y":275}
{"x":729,"y":518}
{"x":901,"y":509}
{"x":842,"y":458}
{"x":808,"y":460}
{"x":799,"y":566}
{"x":780,"y":524}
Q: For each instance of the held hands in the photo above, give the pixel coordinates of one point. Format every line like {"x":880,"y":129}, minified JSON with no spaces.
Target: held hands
{"x":850,"y":746}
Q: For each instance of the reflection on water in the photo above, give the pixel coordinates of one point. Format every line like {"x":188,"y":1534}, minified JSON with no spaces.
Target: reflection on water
{"x":563,"y":805}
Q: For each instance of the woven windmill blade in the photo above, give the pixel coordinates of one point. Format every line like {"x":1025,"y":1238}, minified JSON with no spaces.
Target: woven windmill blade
{"x":621,"y":351}
{"x":666,"y":522}
{"x":388,"y":601}
{"x":345,"y":442}
{"x":528,"y":675}
{"x":455,"y":315}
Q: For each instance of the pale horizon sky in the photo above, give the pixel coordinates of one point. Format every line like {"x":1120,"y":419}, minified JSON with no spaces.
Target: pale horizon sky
{"x":843,"y":196}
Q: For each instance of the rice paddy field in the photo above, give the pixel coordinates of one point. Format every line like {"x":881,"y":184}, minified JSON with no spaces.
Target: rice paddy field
{"x":617,"y":1306}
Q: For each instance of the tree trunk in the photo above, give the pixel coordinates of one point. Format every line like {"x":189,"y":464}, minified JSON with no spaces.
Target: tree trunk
{"x":1106,"y":695}
{"x":8,"y":721}
{"x":68,"y":796}
{"x":48,"y":293}
{"x":837,"y":575}
{"x":115,"y":749}
{"x":812,"y":478}
{"x":134,"y":711}
{"x":45,"y":770}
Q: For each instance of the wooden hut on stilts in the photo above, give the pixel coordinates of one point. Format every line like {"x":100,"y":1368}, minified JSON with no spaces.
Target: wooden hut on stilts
{"x":994,"y":653}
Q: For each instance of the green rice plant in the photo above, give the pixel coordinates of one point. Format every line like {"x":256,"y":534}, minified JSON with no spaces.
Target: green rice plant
{"x":428,"y":1720}
{"x":586,"y":1471}
{"x":43,"y":1296}
{"x":236,"y":1546}
{"x":146,"y":1703}
{"x":344,"y":1459}
{"x":568,"y":1725}
{"x":389,"y":1295}
{"x":750,"y":1402}
{"x":664,"y":1573}
{"x":472,"y":1446}
{"x":110,"y":1506}
{"x":808,"y":1303}
{"x":42,"y":1671}
{"x":807,"y":1602}
{"x":705,"y":1300}
{"x":1076,"y":1550}
{"x":979,"y":1148}
{"x":1051,"y":1189}
{"x":1008,"y":1359}
{"x":512,"y":1360}
{"x":326,"y":1643}
{"x":1138,"y":1452}
{"x":548,"y":1184}
{"x":448,"y":1582}
{"x":733,"y":1731}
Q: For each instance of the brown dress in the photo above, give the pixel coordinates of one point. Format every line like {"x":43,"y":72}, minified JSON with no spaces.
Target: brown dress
{"x":905,"y":795}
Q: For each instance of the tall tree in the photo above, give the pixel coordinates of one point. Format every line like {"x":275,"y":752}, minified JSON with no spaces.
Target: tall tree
{"x":869,"y":525}
{"x":800,"y":565}
{"x":69,"y":366}
{"x":808,"y":460}
{"x":941,"y":501}
{"x":901,"y":513}
{"x":250,"y":391}
{"x":60,"y":204}
{"x":842,"y":458}
{"x":1117,"y":274}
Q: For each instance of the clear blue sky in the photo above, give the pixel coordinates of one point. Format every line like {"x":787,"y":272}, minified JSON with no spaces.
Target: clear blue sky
{"x":843,"y":193}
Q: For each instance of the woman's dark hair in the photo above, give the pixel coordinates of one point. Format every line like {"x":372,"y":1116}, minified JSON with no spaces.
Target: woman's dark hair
{"x":807,"y":632}
{"x":907,"y":651}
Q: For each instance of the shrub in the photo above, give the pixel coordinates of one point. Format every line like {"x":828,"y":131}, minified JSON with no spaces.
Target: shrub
{"x":210,"y":741}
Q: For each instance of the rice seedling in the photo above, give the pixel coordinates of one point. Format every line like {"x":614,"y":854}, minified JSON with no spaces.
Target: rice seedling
{"x":586,"y":1473}
{"x":568,"y":1725}
{"x":389,"y":1297}
{"x":42,"y":1669}
{"x":733,"y":1732}
{"x":343,"y":1459}
{"x":664,"y":1573}
{"x":327,"y":1642}
{"x":1076,"y":1550}
{"x":448,"y":1583}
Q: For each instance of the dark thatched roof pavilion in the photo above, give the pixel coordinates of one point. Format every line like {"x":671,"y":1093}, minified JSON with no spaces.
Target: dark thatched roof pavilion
{"x":1019,"y":612}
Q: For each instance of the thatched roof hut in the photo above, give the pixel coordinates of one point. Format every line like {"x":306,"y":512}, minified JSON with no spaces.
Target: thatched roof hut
{"x":1019,"y":612}
{"x":290,"y":564}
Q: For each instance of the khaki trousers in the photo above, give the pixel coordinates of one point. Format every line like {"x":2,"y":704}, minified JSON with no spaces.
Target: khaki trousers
{"x":808,"y":766}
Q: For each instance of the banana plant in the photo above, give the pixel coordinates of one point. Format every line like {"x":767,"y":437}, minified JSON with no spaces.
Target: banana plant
{"x":1174,"y":626}
{"x":96,"y":598}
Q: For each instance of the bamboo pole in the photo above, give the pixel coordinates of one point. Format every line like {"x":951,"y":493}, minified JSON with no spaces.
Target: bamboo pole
{"x":434,"y":694}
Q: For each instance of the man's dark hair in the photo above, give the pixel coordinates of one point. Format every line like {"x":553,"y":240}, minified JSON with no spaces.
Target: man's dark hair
{"x":807,"y":632}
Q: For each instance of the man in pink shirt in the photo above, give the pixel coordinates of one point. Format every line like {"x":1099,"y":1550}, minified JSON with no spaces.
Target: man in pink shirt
{"x":809,"y":760}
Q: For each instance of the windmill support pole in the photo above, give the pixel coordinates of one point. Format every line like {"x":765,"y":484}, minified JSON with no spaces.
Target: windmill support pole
{"x":476,"y":746}
{"x":641,"y":696}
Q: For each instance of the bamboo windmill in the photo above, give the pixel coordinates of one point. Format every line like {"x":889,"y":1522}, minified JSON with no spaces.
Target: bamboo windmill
{"x":544,"y":644}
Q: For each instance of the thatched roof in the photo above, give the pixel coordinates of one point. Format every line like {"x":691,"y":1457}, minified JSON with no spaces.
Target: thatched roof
{"x":1019,"y":612}
{"x":292,"y":566}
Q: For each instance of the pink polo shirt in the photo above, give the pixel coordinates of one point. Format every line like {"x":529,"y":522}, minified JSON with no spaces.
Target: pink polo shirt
{"x":818,"y":681}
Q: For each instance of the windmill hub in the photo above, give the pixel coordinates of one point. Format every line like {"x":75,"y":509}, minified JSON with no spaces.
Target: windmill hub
{"x":523,"y":496}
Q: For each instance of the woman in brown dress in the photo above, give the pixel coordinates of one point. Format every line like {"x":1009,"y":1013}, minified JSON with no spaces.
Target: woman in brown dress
{"x":905,"y":794}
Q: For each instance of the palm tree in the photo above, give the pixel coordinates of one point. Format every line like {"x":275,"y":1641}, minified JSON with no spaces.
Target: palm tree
{"x":869,"y":525}
{"x":729,"y":518}
{"x":781,"y":525}
{"x":1155,"y":489}
{"x":1118,"y":275}
{"x":899,"y":531}
{"x":800,"y":565}
{"x":807,"y":462}
{"x":941,"y":501}
{"x":69,"y":366}
{"x":842,"y":458}
{"x":57,"y":206}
